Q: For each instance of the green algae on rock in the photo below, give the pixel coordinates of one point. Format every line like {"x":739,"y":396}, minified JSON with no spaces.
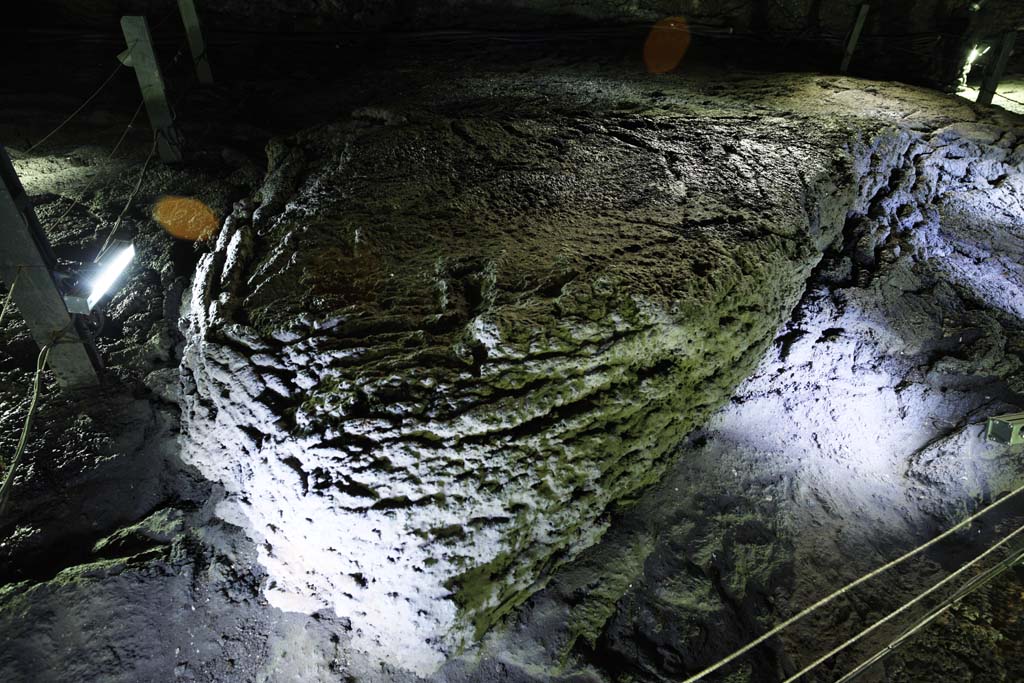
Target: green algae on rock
{"x":465,"y":339}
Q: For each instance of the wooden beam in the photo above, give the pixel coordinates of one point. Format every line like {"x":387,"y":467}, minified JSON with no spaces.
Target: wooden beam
{"x":27,"y":263}
{"x":194,"y":31}
{"x":851,"y":44}
{"x":997,"y":68}
{"x":151,"y":82}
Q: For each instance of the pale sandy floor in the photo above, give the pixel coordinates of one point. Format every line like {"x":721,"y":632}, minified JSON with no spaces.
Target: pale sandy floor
{"x":1009,"y":94}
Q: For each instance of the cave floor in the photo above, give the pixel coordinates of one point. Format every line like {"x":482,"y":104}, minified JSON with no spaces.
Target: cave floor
{"x":1009,"y":94}
{"x":858,"y":435}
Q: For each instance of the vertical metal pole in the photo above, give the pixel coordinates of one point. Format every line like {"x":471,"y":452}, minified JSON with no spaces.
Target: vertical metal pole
{"x":997,"y":68}
{"x":151,"y":82}
{"x":195,"y":41}
{"x":851,"y":44}
{"x":27,"y":264}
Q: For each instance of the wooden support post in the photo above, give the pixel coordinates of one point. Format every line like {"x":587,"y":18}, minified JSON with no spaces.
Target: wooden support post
{"x":997,"y":68}
{"x":195,"y":41}
{"x":851,"y":44}
{"x":151,"y":82}
{"x":27,"y":264}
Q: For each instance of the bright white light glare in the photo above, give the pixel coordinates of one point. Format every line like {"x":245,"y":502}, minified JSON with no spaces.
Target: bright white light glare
{"x":113,"y":266}
{"x":975,"y":53}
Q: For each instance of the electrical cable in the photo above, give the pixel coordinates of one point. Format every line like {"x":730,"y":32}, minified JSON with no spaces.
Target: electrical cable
{"x":10,"y":295}
{"x":848,"y":587}
{"x":131,"y":198}
{"x":976,"y":583}
{"x":904,"y":607}
{"x":5,"y":488}
{"x":79,"y":110}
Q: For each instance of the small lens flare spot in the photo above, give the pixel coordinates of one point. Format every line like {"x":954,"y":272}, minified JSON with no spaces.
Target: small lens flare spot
{"x":186,"y":218}
{"x":666,"y":45}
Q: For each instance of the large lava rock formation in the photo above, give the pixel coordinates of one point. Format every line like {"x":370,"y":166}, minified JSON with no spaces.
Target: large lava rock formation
{"x":441,"y":349}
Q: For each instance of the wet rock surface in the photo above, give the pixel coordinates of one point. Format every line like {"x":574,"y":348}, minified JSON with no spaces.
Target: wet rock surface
{"x":633,"y":249}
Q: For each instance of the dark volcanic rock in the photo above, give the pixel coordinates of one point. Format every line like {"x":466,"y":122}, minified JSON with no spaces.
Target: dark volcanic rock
{"x":860,"y":435}
{"x":445,"y":347}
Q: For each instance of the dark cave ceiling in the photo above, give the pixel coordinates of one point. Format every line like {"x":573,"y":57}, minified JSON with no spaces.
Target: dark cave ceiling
{"x":913,"y":40}
{"x":893,"y":17}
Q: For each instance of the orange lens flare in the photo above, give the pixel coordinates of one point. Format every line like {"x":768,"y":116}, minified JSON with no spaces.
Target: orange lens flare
{"x":186,"y":218}
{"x":666,"y":45}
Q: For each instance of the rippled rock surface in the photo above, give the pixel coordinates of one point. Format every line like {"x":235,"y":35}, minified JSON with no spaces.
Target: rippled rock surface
{"x":441,"y":349}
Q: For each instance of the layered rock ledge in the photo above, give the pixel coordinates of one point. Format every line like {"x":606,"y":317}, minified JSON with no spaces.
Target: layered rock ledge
{"x":442,"y":345}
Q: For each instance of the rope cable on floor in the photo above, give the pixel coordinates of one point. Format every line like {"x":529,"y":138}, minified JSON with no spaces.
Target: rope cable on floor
{"x":5,"y":488}
{"x":850,"y":586}
{"x":1020,"y":102}
{"x":904,"y":607}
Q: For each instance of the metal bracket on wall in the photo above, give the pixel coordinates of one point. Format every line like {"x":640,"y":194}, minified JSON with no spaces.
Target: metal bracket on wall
{"x":851,"y":43}
{"x":141,"y":57}
{"x":27,"y":264}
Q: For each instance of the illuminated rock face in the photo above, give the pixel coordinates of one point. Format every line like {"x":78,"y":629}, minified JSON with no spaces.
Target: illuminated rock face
{"x":440,"y":351}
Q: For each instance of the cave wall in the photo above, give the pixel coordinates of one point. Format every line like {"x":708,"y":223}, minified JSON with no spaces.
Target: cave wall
{"x":912,"y":40}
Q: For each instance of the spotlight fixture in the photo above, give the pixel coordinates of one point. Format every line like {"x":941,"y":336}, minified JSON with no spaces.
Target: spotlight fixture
{"x":977,"y":5}
{"x":1008,"y":429}
{"x":92,"y":285}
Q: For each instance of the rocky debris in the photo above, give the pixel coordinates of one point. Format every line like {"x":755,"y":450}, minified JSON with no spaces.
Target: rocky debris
{"x":156,"y":602}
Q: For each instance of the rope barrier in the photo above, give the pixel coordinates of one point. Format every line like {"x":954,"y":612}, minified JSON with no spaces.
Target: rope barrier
{"x":1021,"y":103}
{"x":5,"y":488}
{"x":79,"y":110}
{"x":904,"y":607}
{"x":76,"y":200}
{"x":131,"y":198}
{"x":848,"y":587}
{"x":976,"y":583}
